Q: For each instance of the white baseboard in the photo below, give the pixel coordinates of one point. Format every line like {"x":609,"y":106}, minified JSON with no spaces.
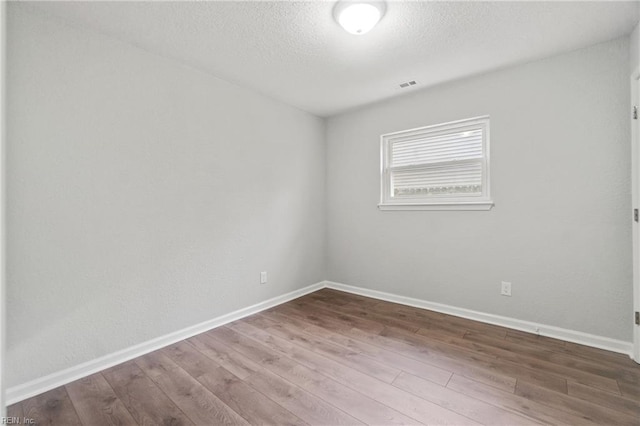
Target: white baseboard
{"x":587,"y":339}
{"x":60,"y":378}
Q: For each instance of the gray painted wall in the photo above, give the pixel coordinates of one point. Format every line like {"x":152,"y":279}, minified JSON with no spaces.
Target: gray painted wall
{"x":634,"y":49}
{"x":3,"y":63}
{"x":560,"y":230}
{"x":144,"y":197}
{"x":634,"y":67}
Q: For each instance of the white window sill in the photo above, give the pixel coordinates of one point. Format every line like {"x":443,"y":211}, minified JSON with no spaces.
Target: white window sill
{"x":463,"y":205}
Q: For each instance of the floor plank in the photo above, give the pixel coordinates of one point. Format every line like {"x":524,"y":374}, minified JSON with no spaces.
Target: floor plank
{"x":598,"y":355}
{"x":252,"y":405}
{"x":330,"y":322}
{"x":492,"y":358}
{"x":594,"y":412}
{"x":143,"y":399}
{"x":515,"y":403}
{"x":462,"y":404}
{"x":15,"y":411}
{"x":308,"y":407}
{"x":312,"y":409}
{"x":412,"y":366}
{"x":234,"y":362}
{"x":200,"y":405}
{"x":629,"y":391}
{"x":355,"y":310}
{"x":605,"y":399}
{"x":51,"y":408}
{"x":479,"y":355}
{"x":96,"y":403}
{"x":333,"y":358}
{"x":402,"y":401}
{"x":581,"y":371}
{"x":339,"y":353}
{"x":359,"y":405}
{"x":534,"y":339}
{"x":605,"y":367}
{"x":437,"y":321}
{"x":342,"y":298}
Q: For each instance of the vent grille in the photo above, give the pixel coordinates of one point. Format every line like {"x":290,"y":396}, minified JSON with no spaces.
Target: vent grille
{"x":408,"y":83}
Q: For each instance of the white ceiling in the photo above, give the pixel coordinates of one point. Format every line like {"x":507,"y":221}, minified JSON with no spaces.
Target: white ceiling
{"x":295,"y":52}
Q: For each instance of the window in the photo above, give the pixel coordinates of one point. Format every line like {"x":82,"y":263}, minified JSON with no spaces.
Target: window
{"x":440,"y":167}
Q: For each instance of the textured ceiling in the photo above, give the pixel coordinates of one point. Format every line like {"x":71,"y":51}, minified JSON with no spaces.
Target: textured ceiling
{"x":295,"y":52}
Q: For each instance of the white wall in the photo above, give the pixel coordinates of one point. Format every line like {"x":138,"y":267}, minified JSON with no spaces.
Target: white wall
{"x":3,"y":62}
{"x":634,"y":49}
{"x":144,"y":197}
{"x":560,"y":230}
{"x":634,"y":67}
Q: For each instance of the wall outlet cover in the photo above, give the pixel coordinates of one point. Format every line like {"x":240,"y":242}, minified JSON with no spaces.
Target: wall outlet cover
{"x":505,"y":289}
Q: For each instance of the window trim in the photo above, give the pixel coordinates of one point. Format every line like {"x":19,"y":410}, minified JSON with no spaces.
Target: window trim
{"x":483,"y":202}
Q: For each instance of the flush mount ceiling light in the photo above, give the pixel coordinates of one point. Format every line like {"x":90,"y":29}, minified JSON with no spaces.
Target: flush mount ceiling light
{"x":358,"y":17}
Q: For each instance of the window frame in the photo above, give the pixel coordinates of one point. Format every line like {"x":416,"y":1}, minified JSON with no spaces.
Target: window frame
{"x":460,"y":202}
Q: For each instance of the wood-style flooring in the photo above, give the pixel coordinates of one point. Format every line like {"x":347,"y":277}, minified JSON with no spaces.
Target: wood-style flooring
{"x":333,"y":358}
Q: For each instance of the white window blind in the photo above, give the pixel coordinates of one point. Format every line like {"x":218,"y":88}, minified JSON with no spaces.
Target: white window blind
{"x":442,"y":166}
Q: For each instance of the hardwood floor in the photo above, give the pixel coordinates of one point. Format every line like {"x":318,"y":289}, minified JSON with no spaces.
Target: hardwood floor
{"x":333,"y":358}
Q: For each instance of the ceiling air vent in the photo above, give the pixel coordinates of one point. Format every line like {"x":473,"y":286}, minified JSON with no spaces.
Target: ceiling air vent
{"x":408,"y":83}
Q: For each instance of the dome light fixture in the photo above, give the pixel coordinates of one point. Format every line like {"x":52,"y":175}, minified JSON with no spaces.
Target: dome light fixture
{"x":358,"y":17}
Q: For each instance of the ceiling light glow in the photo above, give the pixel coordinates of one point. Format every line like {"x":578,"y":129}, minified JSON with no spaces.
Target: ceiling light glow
{"x":359,"y":18}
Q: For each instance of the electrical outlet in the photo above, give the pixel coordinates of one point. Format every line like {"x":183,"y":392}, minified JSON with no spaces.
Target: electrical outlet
{"x":263,"y":277}
{"x":505,"y":289}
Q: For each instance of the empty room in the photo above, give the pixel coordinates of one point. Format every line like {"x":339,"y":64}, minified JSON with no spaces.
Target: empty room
{"x":320,"y":213}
